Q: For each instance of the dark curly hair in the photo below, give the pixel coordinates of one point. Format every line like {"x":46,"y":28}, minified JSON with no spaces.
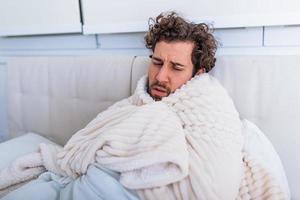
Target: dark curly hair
{"x":171,"y":27}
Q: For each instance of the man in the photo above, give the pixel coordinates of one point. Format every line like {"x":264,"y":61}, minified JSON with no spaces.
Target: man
{"x":178,"y":136}
{"x":180,"y":50}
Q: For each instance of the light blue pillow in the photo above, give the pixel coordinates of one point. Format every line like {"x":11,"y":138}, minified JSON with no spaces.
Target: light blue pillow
{"x":19,"y":146}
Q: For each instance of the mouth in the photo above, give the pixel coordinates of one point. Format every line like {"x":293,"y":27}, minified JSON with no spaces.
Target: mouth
{"x":159,"y":92}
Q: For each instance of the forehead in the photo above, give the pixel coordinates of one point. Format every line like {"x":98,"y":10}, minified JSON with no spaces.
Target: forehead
{"x":174,"y":50}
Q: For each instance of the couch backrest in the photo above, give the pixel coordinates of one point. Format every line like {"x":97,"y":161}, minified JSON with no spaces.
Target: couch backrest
{"x":56,"y":96}
{"x":266,"y":90}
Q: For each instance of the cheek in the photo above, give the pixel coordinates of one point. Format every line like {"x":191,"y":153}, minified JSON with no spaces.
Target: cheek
{"x":178,"y":81}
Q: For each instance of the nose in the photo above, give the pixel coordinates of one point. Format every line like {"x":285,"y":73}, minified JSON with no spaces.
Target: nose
{"x":162,"y":75}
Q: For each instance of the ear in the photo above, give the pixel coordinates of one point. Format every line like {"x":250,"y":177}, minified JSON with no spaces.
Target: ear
{"x":201,"y":71}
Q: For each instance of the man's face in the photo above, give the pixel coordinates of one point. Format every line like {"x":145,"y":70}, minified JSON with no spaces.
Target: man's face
{"x":171,"y":66}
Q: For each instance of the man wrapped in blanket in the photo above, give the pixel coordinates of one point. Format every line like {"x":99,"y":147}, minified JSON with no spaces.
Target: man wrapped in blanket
{"x":178,"y":136}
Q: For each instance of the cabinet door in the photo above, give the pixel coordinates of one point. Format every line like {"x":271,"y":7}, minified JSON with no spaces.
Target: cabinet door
{"x":33,"y":17}
{"x":117,"y":16}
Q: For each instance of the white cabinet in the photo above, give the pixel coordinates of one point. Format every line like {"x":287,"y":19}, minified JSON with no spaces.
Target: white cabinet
{"x":33,"y":17}
{"x":117,"y":16}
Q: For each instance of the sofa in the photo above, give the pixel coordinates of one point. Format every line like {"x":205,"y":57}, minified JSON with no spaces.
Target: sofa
{"x":50,"y":98}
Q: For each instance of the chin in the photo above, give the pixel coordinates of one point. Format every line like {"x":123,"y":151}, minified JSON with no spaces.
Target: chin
{"x":156,"y":98}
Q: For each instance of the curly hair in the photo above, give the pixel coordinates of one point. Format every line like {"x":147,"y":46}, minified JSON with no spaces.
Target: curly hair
{"x":171,"y":27}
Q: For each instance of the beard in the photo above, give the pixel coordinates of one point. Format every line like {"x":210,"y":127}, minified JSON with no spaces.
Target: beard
{"x":158,"y":90}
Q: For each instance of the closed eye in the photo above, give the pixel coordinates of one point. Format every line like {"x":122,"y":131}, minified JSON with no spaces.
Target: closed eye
{"x":157,"y":63}
{"x":178,"y":67}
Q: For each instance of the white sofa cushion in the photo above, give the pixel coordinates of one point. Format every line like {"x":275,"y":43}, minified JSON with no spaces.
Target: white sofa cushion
{"x":57,"y":96}
{"x":139,"y":68}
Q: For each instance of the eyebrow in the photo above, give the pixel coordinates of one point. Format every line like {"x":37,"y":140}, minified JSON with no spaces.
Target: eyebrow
{"x":160,"y":60}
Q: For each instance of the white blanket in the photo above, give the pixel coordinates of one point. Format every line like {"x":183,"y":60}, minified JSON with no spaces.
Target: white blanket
{"x":187,"y":146}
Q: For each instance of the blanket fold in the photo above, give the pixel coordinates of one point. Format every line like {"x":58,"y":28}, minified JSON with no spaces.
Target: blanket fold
{"x":22,"y":169}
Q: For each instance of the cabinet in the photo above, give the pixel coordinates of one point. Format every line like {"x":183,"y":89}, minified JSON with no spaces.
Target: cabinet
{"x":117,"y":16}
{"x":32,"y":17}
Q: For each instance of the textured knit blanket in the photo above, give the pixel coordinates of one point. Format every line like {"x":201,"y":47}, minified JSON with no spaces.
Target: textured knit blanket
{"x":189,"y":145}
